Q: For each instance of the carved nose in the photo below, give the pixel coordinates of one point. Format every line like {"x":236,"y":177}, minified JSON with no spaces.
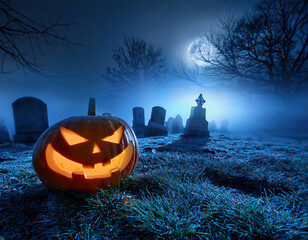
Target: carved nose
{"x":96,"y":149}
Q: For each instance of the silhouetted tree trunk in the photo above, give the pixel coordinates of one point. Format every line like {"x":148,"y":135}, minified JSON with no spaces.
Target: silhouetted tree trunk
{"x":137,"y":64}
{"x":21,"y":38}
{"x":265,"y":50}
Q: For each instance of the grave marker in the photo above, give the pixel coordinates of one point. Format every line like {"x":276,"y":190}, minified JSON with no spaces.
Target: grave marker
{"x":30,"y":118}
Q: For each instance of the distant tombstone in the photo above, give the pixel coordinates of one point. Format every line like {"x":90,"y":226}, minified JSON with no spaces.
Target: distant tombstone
{"x":224,"y":125}
{"x":30,"y":118}
{"x":156,"y":125}
{"x":4,"y":134}
{"x":169,"y":124}
{"x":177,"y":124}
{"x":196,"y":125}
{"x":212,"y":126}
{"x":138,"y":121}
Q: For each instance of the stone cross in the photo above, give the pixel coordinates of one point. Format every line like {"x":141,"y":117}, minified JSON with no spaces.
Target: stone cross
{"x":200,"y":101}
{"x":196,"y":125}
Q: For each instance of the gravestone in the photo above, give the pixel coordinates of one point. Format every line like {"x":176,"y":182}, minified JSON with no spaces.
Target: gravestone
{"x":30,"y":118}
{"x":4,"y":134}
{"x":212,"y":126}
{"x":138,"y":121}
{"x":156,"y":125}
{"x":169,"y":124}
{"x":196,"y":125}
{"x":224,"y":125}
{"x":177,"y":124}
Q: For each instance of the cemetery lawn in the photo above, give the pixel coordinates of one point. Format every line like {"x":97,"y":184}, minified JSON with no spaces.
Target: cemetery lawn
{"x":232,"y":187}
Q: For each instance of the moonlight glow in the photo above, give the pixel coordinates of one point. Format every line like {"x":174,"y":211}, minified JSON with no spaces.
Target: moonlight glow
{"x":199,"y":51}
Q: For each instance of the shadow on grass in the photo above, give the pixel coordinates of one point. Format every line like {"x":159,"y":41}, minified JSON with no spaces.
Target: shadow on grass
{"x":185,"y":145}
{"x":19,"y":209}
{"x":246,"y":185}
{"x":222,"y":176}
{"x":36,"y":213}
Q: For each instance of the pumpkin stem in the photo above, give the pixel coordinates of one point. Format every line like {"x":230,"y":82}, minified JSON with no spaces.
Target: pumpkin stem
{"x":92,"y":108}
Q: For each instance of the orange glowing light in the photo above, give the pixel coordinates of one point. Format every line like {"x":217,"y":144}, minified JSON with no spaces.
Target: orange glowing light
{"x":71,"y":137}
{"x":67,"y":167}
{"x":96,"y":149}
{"x":116,"y":136}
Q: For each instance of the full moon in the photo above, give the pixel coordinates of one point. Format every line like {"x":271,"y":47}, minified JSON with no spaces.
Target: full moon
{"x":198,"y":50}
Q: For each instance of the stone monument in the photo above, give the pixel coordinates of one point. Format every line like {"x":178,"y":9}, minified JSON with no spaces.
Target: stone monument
{"x":169,"y":124}
{"x":4,"y":134}
{"x":177,"y":124}
{"x":138,"y":121}
{"x":196,"y":125}
{"x":30,"y":118}
{"x":156,"y":125}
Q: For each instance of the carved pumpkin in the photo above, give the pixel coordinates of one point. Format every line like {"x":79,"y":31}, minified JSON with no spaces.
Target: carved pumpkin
{"x":85,"y":153}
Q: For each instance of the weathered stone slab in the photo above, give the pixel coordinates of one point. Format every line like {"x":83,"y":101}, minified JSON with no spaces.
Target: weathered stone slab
{"x":138,"y":121}
{"x":169,"y":124}
{"x":156,"y":125}
{"x":177,"y":124}
{"x":30,"y":118}
{"x":4,"y":134}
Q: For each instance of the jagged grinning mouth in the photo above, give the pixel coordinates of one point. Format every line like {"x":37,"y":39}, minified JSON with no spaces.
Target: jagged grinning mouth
{"x":68,"y":168}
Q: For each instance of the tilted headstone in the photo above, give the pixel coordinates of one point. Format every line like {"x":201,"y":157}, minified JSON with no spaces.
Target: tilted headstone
{"x":4,"y":134}
{"x":30,"y":118}
{"x":177,"y":125}
{"x":169,"y":124}
{"x":158,"y":116}
{"x":196,"y":125}
{"x":156,"y":125}
{"x":138,"y":121}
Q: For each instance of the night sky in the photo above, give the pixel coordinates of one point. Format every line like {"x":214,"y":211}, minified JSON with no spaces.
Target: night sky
{"x":101,"y":26}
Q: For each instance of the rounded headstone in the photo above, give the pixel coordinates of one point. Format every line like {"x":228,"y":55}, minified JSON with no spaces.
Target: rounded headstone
{"x":169,"y":124}
{"x":158,"y":115}
{"x":177,"y":124}
{"x":30,"y":119}
{"x":138,"y":115}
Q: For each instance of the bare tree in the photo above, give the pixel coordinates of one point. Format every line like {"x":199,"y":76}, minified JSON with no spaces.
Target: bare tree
{"x":265,"y":50}
{"x":137,"y":63}
{"x":22,"y":38}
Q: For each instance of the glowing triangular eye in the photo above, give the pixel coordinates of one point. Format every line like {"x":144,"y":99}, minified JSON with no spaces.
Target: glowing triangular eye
{"x":115,"y":137}
{"x":71,"y":137}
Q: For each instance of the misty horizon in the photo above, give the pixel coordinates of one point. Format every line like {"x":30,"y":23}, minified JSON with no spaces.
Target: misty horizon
{"x":100,"y":27}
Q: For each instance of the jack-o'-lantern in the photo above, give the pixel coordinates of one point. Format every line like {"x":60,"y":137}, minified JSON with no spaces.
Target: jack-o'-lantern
{"x":85,"y":153}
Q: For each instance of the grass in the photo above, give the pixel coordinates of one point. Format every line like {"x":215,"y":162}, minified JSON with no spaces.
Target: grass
{"x":233,"y":187}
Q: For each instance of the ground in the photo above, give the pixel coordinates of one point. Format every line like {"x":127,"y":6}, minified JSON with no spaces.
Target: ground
{"x":234,"y":186}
